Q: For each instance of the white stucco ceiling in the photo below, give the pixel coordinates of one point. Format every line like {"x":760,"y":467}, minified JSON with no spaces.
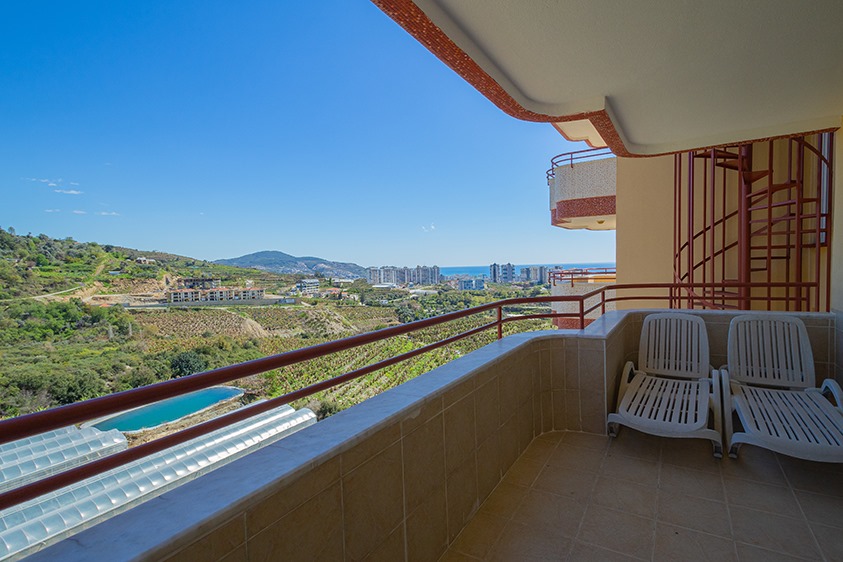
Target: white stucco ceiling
{"x":672,"y":74}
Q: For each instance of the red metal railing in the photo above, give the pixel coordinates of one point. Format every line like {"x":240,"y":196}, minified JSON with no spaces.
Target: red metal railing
{"x":568,"y":158}
{"x":675,"y":295}
{"x":579,"y":274}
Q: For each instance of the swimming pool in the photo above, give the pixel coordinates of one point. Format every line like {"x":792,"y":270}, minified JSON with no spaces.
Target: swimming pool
{"x":167,"y":410}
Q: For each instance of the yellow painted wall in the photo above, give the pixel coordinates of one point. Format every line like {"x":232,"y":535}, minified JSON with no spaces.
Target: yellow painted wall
{"x":837,"y":229}
{"x":644,"y":239}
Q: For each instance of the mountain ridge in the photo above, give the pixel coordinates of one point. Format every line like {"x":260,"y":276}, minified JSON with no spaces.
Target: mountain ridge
{"x":277,"y":261}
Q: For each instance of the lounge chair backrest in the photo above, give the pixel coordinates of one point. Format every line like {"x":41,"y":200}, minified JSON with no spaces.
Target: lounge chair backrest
{"x":770,"y":350}
{"x":674,"y":344}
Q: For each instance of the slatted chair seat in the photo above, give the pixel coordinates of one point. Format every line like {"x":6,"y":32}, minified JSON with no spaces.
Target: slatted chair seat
{"x":675,"y":393}
{"x":787,"y":414}
{"x":666,"y":406}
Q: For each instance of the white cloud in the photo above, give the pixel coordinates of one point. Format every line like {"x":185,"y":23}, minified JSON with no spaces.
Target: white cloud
{"x":108,"y":214}
{"x":430,"y":228}
{"x":68,"y":191}
{"x":73,"y":183}
{"x":77,"y":212}
{"x":52,"y":210}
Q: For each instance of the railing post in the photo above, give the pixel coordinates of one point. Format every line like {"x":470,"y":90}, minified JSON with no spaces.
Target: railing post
{"x":582,"y":313}
{"x":500,"y":322}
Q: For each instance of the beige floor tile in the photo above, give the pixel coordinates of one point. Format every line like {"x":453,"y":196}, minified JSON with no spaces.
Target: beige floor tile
{"x":504,"y":500}
{"x":640,"y":471}
{"x":830,"y":540}
{"x":764,"y":497}
{"x":524,"y":471}
{"x":626,"y":496}
{"x":590,"y":440}
{"x":539,"y":449}
{"x":690,"y":453}
{"x":576,"y":457}
{"x":480,"y":535}
{"x":813,"y":477}
{"x":631,"y":443}
{"x":775,"y":532}
{"x":582,"y":552}
{"x":754,"y":463}
{"x":526,"y":543}
{"x":454,"y":556}
{"x":694,"y":513}
{"x":751,"y":553}
{"x":566,"y":482}
{"x":617,"y":531}
{"x":551,"y":512}
{"x":676,"y":543}
{"x":691,"y":482}
{"x":551,"y":436}
{"x":820,"y":508}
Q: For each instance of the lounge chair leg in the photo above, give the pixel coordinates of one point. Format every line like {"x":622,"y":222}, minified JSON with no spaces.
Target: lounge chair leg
{"x":613,"y":429}
{"x":733,"y":451}
{"x":718,"y":450}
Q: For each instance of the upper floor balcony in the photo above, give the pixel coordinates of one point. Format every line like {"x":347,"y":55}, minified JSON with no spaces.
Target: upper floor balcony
{"x":497,"y":454}
{"x":582,"y":188}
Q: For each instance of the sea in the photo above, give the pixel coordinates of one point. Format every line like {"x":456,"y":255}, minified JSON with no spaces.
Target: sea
{"x":481,"y":270}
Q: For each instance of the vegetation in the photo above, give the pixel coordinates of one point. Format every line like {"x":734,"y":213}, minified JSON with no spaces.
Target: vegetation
{"x":62,"y":350}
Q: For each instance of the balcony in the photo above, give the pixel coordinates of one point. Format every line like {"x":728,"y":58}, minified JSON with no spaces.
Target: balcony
{"x":579,"y":282}
{"x":479,"y":458}
{"x":582,"y":189}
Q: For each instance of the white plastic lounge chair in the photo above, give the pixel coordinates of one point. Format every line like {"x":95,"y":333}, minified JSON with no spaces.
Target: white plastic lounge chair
{"x":675,"y":393}
{"x":770,"y":385}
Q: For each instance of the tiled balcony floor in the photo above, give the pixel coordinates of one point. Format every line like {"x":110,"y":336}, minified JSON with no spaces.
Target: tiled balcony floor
{"x":574,"y":496}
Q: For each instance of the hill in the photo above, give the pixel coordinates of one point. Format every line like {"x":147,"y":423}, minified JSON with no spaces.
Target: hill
{"x":279,"y":262}
{"x":40,"y":265}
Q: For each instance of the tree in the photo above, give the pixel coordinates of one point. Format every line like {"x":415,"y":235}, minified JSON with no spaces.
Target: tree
{"x":187,"y":363}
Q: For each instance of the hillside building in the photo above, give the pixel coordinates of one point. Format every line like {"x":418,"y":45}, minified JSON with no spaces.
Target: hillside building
{"x":198,"y":283}
{"x":308,"y":287}
{"x":217,"y":294}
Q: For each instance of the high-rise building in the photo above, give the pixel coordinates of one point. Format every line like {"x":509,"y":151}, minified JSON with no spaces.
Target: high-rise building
{"x":507,"y":273}
{"x":495,"y":273}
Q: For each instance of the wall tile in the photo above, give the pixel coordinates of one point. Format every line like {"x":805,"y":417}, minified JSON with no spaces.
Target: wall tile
{"x":487,"y":410}
{"x":418,"y":417}
{"x":427,"y":530}
{"x":370,"y":447}
{"x":572,"y":411}
{"x":560,"y":410}
{"x":276,"y":506}
{"x":460,"y":440}
{"x":558,"y":366}
{"x":508,"y":441}
{"x":424,"y":462}
{"x":462,"y":498}
{"x":488,"y":466}
{"x":373,"y":501}
{"x":316,"y":526}
{"x":216,"y":544}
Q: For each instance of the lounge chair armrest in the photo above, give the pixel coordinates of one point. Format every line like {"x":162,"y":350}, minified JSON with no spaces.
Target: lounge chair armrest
{"x":830,"y":385}
{"x":726,"y":394}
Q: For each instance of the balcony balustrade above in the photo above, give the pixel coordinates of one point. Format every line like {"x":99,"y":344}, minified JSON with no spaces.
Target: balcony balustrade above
{"x":582,"y":189}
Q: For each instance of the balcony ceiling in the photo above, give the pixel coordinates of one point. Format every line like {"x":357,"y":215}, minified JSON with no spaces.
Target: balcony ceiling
{"x":653,"y":77}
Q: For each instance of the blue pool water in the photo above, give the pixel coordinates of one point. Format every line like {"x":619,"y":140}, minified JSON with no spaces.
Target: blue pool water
{"x":168,"y":410}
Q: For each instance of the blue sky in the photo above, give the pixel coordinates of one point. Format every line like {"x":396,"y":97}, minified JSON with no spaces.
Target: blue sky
{"x":217,"y":129}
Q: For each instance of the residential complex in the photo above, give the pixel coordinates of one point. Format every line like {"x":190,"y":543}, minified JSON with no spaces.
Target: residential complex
{"x":308,"y":287}
{"x":198,"y":283}
{"x":722,"y":119}
{"x":471,"y":285}
{"x":218,"y":294}
{"x":420,"y":275}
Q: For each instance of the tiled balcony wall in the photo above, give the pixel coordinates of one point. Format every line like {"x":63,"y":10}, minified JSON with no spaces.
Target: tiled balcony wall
{"x":400,"y":475}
